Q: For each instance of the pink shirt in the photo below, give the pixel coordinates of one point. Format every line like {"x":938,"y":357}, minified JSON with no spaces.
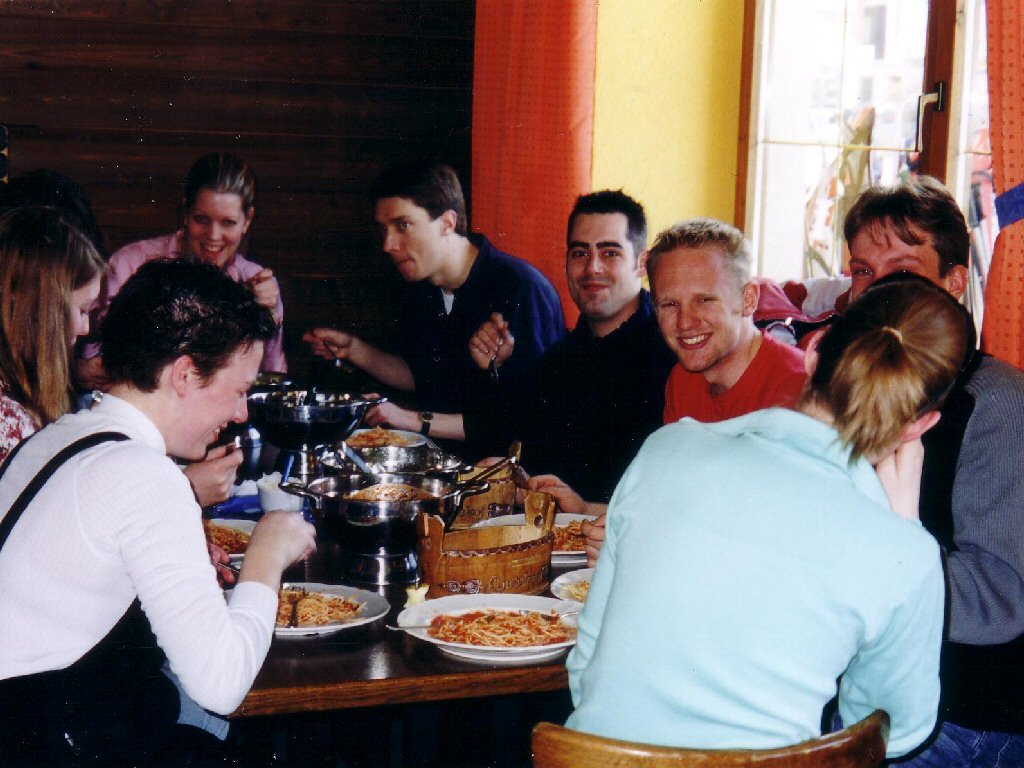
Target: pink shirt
{"x":127,"y":260}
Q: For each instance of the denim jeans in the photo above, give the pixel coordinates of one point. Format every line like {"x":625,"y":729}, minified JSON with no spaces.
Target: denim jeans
{"x":192,"y":714}
{"x":957,"y":747}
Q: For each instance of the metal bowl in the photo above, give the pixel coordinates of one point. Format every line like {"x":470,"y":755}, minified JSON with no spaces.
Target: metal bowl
{"x":422,"y":458}
{"x":412,"y":455}
{"x":292,"y":418}
{"x":443,"y":466}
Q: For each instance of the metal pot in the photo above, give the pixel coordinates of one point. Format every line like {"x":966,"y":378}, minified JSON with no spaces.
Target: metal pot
{"x":379,"y":527}
{"x":293,"y":418}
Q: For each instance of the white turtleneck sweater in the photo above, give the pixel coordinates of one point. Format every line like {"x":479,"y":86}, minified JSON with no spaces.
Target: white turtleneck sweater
{"x":118,"y":521}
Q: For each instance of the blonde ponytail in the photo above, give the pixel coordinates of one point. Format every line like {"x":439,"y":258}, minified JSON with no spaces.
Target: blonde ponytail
{"x":888,"y":359}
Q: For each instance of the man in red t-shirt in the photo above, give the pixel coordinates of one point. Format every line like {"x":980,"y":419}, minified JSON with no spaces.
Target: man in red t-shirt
{"x":705,"y":301}
{"x":704,"y":297}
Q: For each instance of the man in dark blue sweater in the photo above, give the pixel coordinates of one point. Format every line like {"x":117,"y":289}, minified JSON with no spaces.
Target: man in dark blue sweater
{"x":456,"y":281}
{"x":587,"y":404}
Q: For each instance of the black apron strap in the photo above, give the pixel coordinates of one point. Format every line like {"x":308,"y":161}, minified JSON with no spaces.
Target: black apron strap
{"x":44,"y":474}
{"x":111,"y":707}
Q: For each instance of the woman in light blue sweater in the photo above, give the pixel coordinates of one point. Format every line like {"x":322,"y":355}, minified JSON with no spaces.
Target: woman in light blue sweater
{"x":750,"y":563}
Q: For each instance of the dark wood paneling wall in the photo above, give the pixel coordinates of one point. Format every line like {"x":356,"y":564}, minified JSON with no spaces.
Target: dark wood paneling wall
{"x":318,"y":95}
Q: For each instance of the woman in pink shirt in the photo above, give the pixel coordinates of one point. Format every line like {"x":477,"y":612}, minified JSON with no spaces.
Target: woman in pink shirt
{"x":219,"y":203}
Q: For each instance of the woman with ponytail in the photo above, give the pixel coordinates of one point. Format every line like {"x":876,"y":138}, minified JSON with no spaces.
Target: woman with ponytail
{"x":751,"y":563}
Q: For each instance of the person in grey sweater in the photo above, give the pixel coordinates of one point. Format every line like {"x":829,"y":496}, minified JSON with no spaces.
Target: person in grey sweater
{"x":972,"y":494}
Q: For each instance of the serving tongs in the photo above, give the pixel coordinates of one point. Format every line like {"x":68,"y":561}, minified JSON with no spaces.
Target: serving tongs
{"x":511,"y":460}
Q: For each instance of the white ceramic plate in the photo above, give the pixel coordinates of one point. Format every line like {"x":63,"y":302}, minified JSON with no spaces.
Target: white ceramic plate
{"x":560,"y":586}
{"x":374,"y":606}
{"x":239,"y":525}
{"x":560,"y":559}
{"x":417,"y":615}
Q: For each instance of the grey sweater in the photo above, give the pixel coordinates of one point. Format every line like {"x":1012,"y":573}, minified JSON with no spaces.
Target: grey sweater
{"x":972,"y":500}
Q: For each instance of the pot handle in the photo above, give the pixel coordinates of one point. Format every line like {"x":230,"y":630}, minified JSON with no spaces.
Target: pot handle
{"x":313,"y":511}
{"x":295,"y":488}
{"x":473,"y":487}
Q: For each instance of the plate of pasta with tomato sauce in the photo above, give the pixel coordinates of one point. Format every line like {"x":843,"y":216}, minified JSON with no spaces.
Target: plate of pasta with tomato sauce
{"x":494,"y":628}
{"x":312,"y":610}
{"x":230,"y":535}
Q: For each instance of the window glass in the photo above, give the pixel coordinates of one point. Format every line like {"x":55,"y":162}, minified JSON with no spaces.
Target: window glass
{"x":838,"y":106}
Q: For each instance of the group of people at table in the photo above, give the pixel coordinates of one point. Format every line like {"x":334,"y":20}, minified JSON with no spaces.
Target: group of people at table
{"x":777,"y":519}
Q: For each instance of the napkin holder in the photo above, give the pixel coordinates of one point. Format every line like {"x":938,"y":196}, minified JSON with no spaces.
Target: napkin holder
{"x":501,"y":558}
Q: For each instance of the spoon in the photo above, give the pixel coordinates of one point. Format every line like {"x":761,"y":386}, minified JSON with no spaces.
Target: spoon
{"x":355,"y":458}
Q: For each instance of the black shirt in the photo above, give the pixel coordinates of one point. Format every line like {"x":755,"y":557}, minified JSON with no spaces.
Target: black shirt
{"x":588,"y":403}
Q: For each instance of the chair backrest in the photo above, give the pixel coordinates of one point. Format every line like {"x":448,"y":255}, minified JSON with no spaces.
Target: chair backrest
{"x":862,"y":745}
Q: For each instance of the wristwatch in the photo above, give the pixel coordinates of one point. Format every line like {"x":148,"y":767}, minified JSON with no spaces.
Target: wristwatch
{"x":426,"y":417}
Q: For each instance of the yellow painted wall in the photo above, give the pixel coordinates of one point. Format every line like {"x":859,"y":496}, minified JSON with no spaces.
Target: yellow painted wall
{"x":667,"y":105}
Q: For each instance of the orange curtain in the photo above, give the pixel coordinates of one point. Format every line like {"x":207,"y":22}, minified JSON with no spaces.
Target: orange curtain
{"x":533,"y":125}
{"x":1003,"y":330}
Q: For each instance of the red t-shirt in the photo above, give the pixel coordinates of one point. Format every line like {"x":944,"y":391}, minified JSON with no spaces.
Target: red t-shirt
{"x":775,"y":377}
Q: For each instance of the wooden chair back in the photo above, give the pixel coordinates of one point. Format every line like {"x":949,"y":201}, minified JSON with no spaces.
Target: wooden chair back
{"x":862,"y":745}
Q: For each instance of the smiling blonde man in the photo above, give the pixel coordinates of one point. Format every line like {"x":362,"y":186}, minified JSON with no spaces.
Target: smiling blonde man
{"x":705,"y":301}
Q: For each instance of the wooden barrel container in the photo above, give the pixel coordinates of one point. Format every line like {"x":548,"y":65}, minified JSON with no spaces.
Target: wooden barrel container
{"x":501,"y":558}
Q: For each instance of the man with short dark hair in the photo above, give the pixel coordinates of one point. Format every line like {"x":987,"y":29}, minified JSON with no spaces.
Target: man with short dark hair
{"x":972,"y":487}
{"x":456,"y":281}
{"x":588,"y":403}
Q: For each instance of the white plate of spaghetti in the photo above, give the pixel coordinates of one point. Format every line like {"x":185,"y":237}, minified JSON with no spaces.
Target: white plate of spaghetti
{"x":494,"y":628}
{"x":230,"y":535}
{"x":309,"y":610}
{"x":569,"y":541}
{"x":573,"y":585}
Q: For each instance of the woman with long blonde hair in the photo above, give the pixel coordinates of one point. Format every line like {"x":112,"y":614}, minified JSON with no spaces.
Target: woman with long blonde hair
{"x":49,"y":276}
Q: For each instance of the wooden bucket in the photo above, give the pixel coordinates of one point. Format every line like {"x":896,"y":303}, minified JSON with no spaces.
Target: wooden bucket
{"x":497,"y":501}
{"x":501,"y":558}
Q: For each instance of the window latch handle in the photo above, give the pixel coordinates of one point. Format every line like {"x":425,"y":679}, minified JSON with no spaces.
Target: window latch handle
{"x":936,"y":97}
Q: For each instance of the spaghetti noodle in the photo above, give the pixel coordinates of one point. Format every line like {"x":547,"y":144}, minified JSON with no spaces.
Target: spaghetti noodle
{"x":231,"y":540}
{"x":299,"y":608}
{"x":570,"y":538}
{"x":390,"y":492}
{"x":378,"y":437}
{"x":578,"y":591}
{"x":501,"y":629}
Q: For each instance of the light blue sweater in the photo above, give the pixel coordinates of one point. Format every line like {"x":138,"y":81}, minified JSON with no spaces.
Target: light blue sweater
{"x":747,"y":566}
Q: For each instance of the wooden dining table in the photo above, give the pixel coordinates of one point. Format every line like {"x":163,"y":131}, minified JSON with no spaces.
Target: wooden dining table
{"x":371,"y":666}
